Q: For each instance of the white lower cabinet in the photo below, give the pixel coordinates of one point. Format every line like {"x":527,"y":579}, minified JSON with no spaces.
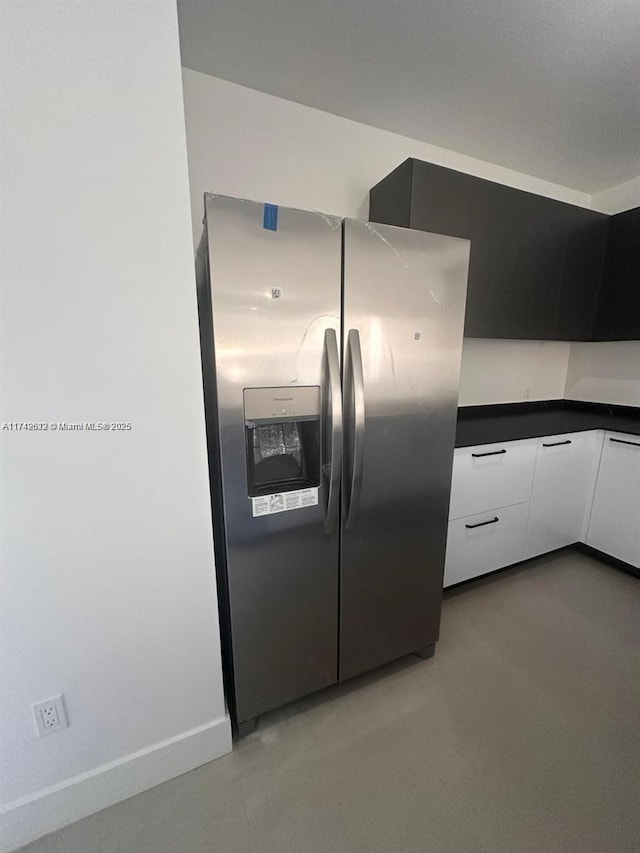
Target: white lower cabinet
{"x":491,"y":475}
{"x":478,"y":544}
{"x":518,"y":499}
{"x":565,"y":471}
{"x":614,"y":525}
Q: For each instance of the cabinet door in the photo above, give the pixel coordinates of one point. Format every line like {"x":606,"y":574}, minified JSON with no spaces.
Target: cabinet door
{"x":582,"y":274}
{"x":619,"y":308}
{"x":495,"y":236}
{"x":614,"y":526}
{"x":491,"y":475}
{"x":441,"y":200}
{"x":562,"y":485}
{"x":542,"y":245}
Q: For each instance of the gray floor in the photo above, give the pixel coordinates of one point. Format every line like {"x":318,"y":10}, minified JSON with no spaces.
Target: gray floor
{"x":521,"y":734}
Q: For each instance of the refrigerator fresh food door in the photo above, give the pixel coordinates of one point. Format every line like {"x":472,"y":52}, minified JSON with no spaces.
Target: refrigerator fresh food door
{"x":403,"y":314}
{"x":275,"y":392}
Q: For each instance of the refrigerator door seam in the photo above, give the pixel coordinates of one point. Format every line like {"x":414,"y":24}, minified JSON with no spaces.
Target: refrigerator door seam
{"x":356,"y":374}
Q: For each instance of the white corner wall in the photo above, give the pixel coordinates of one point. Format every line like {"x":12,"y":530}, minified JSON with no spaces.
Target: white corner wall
{"x":604,"y":372}
{"x":244,"y":143}
{"x":108,"y":587}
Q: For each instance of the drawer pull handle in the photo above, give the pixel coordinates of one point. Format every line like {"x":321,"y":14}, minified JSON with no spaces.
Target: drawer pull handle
{"x":489,"y":453}
{"x":622,"y":441}
{"x":482,"y":523}
{"x":557,"y":443}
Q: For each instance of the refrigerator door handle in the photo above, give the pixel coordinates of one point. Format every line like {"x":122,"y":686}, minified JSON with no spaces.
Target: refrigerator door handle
{"x":354,"y":376}
{"x":335,"y":439}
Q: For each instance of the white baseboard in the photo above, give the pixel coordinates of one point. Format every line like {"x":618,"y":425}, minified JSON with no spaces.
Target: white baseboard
{"x":29,"y":818}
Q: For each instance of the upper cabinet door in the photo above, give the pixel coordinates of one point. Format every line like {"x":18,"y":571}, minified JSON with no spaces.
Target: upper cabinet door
{"x":581,"y":273}
{"x":537,"y":265}
{"x":495,"y":237}
{"x":441,"y":200}
{"x":542,"y":245}
{"x":618,"y":316}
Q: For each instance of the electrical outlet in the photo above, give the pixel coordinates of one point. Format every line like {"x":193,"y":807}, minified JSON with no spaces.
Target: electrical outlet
{"x":50,"y":715}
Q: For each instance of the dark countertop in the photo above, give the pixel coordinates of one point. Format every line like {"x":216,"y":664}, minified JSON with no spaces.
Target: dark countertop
{"x":511,"y":421}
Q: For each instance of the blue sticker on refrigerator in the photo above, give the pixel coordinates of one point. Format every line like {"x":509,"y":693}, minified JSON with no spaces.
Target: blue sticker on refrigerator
{"x":270,"y":217}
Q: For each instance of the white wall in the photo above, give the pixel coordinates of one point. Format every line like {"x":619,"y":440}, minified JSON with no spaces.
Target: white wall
{"x":244,"y":143}
{"x":108,"y":589}
{"x":616,"y":199}
{"x":512,"y":371}
{"x":607,"y":372}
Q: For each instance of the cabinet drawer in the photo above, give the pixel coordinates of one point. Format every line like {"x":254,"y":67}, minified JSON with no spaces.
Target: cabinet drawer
{"x":491,"y":475}
{"x":481,"y":543}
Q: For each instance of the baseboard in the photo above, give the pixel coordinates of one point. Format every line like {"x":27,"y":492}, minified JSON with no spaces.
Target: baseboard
{"x":29,"y":818}
{"x":494,"y":572}
{"x":607,"y":558}
{"x":577,"y":546}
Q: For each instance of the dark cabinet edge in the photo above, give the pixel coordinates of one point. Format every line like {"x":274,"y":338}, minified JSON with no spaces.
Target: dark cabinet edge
{"x":390,"y":199}
{"x":409,"y":162}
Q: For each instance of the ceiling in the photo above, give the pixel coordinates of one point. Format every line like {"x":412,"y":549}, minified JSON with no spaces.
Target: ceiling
{"x":547,"y":87}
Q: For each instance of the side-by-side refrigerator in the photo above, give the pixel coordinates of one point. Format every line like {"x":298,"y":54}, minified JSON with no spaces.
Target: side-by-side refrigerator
{"x":331,"y":356}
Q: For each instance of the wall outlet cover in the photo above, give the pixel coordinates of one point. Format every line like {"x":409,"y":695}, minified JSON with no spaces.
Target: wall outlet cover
{"x":50,"y":715}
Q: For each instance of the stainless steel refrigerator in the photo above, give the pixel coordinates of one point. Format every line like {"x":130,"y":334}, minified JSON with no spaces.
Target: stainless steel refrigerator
{"x":331,"y":355}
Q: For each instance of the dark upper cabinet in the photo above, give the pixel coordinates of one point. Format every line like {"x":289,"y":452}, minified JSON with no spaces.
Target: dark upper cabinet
{"x":541,"y":252}
{"x":495,"y":237}
{"x":618,"y":317}
{"x":582,"y":274}
{"x":390,"y":200}
{"x":537,"y":265}
{"x":441,"y":200}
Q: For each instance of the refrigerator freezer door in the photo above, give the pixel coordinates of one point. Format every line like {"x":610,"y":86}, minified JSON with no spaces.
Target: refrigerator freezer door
{"x":403,"y":301}
{"x":275,"y":285}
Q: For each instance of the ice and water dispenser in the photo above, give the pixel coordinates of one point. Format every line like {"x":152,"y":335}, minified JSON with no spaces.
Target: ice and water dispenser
{"x":282,"y":439}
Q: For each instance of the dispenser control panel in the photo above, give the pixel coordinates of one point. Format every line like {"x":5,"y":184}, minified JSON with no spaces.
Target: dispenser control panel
{"x":280,"y":404}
